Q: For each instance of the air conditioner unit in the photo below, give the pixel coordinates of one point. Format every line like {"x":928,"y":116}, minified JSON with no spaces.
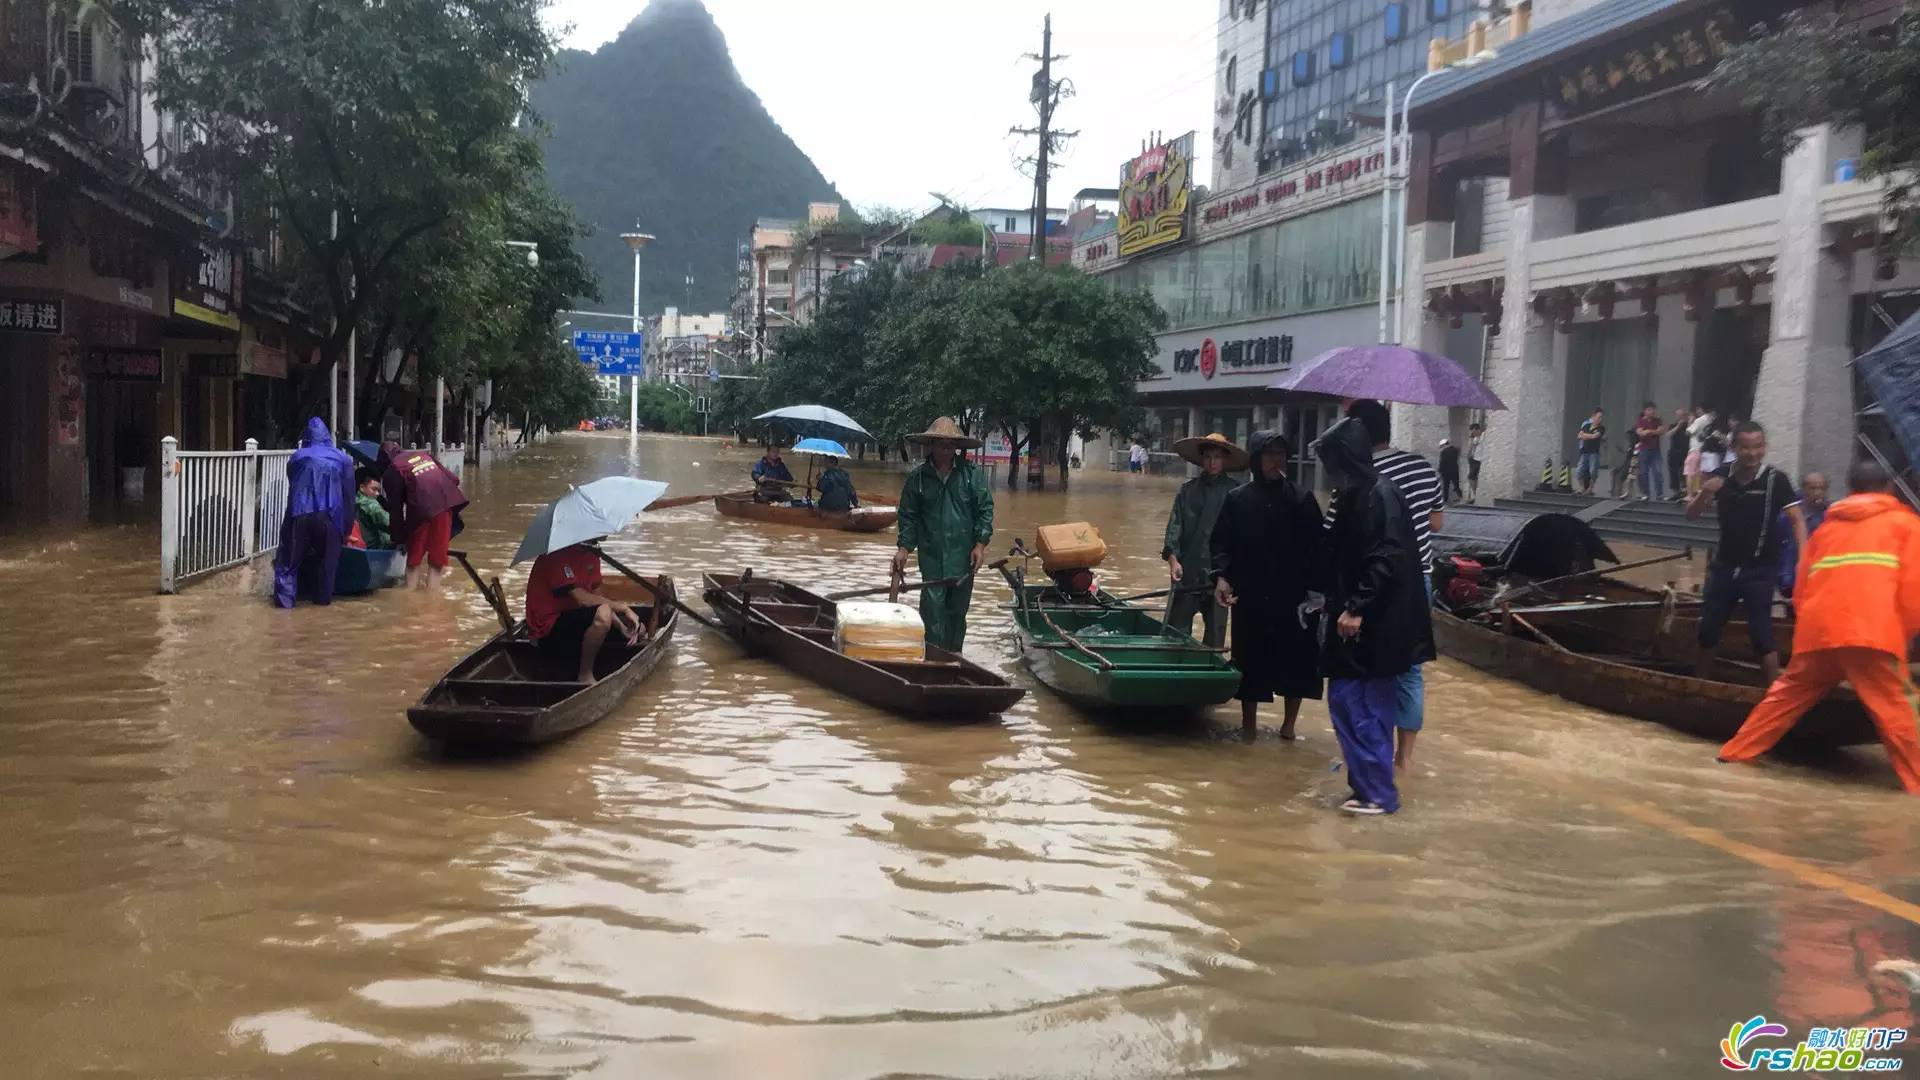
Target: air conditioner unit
{"x":90,"y":56}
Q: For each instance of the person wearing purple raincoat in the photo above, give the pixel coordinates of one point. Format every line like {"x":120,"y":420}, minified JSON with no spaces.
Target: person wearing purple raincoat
{"x":320,"y":493}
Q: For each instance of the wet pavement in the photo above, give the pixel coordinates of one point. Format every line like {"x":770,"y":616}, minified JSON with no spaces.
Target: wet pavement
{"x":225,"y":853}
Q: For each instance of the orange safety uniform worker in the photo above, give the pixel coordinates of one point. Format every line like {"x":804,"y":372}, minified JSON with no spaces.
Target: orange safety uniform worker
{"x":1856,"y":608}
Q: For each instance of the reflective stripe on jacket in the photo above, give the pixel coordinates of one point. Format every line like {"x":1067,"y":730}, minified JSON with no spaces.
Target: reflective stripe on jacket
{"x":1859,"y":578}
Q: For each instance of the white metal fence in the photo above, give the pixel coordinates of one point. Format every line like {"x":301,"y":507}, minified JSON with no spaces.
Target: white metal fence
{"x":222,"y":508}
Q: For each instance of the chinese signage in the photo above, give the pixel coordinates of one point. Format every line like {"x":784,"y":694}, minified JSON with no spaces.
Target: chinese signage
{"x":124,"y":365}
{"x":18,"y":225}
{"x":1154,"y":190}
{"x":612,"y":352}
{"x":206,"y":286}
{"x":1292,"y":187}
{"x":1678,"y":52}
{"x":22,"y":316}
{"x":1242,"y":355}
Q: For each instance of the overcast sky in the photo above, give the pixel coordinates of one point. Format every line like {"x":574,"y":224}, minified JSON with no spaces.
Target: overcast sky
{"x":902,"y":97}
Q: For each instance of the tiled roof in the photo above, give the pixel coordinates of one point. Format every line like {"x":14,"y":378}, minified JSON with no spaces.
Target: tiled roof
{"x":1531,"y":51}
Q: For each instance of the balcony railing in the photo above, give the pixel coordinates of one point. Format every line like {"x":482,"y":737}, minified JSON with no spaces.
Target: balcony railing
{"x":1696,"y":239}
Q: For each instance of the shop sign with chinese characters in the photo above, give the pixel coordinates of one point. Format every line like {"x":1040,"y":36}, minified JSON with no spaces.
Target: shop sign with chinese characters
{"x":1675,"y":53}
{"x":1154,"y":190}
{"x":19,"y":315}
{"x":125,"y":365}
{"x":207,"y":288}
{"x":1290,"y":193}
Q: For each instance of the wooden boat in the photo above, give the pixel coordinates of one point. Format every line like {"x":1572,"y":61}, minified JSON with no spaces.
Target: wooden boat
{"x":875,"y":516}
{"x":1102,"y":654}
{"x":510,"y":692}
{"x":362,"y":570}
{"x":1626,"y":649}
{"x":795,"y":628}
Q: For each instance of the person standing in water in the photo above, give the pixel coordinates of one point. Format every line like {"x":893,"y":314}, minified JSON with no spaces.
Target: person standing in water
{"x":1265,"y":547}
{"x":1378,"y":623}
{"x":320,"y":498}
{"x":1188,"y":545}
{"x":946,"y":514}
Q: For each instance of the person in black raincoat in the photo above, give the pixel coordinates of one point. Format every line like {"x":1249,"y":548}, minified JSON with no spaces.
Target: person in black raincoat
{"x":1376,"y":623}
{"x":1267,"y":543}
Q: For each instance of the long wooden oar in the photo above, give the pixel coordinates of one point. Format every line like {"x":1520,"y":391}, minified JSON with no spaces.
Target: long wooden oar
{"x":1538,"y":585}
{"x":678,"y":500}
{"x":495,"y":599}
{"x":673,"y":598}
{"x":911,"y":586}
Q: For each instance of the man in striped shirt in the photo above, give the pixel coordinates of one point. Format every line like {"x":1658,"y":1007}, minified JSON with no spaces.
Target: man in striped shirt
{"x":1419,"y":487}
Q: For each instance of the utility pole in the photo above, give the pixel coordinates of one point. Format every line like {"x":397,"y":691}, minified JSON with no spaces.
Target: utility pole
{"x":1046,"y":96}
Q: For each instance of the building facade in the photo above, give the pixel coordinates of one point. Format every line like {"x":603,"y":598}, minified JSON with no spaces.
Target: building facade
{"x":130,"y":307}
{"x":1648,"y":248}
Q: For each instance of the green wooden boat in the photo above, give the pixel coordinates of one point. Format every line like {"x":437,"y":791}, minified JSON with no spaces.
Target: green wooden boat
{"x":1107,"y":655}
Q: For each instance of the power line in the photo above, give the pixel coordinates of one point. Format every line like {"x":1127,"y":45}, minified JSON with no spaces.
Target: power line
{"x":1047,"y":94}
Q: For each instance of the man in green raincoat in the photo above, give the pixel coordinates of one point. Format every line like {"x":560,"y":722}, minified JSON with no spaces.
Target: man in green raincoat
{"x":946,"y":513}
{"x":1188,"y":549}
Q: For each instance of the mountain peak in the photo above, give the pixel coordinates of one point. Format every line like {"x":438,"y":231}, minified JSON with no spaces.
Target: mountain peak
{"x":658,"y":127}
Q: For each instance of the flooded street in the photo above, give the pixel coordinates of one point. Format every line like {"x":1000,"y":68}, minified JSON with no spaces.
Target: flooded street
{"x":225,"y":852}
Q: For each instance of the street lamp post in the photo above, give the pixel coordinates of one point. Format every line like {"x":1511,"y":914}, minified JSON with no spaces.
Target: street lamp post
{"x":636,"y":241}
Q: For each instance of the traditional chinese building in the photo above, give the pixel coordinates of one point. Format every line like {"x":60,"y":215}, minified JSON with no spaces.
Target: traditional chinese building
{"x":1647,"y":249}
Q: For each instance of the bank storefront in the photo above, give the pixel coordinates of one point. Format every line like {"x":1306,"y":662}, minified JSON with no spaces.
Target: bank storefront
{"x":1253,"y":282}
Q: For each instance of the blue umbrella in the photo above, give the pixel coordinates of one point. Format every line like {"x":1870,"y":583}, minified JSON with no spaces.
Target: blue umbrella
{"x":817,"y":421}
{"x":822,"y":447}
{"x":587,"y":512}
{"x":365,"y":450}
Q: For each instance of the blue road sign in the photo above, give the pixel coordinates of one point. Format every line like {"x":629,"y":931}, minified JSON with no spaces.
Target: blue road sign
{"x":612,"y":352}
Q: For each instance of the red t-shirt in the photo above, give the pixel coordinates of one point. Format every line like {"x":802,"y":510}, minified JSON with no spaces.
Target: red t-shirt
{"x":554,"y":575}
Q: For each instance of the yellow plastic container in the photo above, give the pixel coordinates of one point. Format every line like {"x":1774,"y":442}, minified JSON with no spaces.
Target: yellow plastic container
{"x":1073,"y":546}
{"x":879,"y":631}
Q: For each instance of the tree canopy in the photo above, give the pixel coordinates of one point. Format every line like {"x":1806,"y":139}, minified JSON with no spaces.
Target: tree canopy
{"x":1029,"y":350}
{"x":1820,"y":69}
{"x":385,"y":143}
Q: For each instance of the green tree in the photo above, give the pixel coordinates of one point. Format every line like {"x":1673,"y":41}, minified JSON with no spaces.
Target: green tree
{"x":364,"y":127}
{"x":1052,"y":348}
{"x":1821,"y":69}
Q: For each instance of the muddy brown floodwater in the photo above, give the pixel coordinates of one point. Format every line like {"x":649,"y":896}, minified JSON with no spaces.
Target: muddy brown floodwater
{"x":224,"y":853}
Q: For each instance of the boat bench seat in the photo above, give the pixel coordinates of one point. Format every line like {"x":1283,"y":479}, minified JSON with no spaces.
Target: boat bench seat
{"x":510,"y":691}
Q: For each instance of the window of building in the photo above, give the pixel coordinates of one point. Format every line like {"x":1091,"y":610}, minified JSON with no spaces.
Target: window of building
{"x":1339,"y":50}
{"x":1302,"y":68}
{"x":1438,"y":10}
{"x":779,"y":277}
{"x":1327,"y":259}
{"x":1369,"y":44}
{"x":1269,"y":84}
{"x":1010,"y":224}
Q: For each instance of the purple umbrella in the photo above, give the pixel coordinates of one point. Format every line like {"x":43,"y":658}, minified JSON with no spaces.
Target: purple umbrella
{"x":1389,"y":373}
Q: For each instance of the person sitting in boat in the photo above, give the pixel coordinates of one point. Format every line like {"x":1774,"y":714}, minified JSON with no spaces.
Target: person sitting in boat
{"x":375,"y":525}
{"x":567,"y":618}
{"x":836,"y":489}
{"x":767,"y":470}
